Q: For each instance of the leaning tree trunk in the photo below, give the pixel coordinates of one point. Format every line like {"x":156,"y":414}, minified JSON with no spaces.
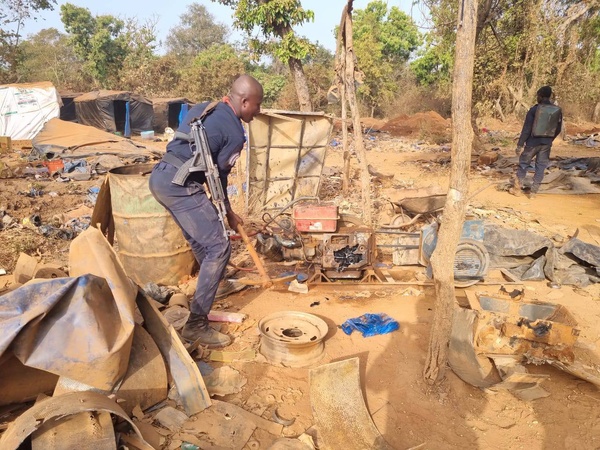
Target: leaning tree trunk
{"x":297,"y":71}
{"x":359,"y":144}
{"x":340,"y":74}
{"x":454,"y":210}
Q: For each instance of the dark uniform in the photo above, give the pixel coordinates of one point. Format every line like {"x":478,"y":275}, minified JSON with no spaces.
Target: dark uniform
{"x":535,"y":147}
{"x":189,"y":205}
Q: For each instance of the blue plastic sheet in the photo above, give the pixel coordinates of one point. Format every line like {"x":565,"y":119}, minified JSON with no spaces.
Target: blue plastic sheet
{"x":371,"y":324}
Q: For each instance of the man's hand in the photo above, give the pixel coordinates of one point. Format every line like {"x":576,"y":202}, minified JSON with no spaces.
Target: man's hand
{"x":518,"y":151}
{"x":234,"y":220}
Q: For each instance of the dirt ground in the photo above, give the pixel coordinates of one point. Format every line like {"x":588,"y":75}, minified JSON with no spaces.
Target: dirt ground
{"x":407,"y":412}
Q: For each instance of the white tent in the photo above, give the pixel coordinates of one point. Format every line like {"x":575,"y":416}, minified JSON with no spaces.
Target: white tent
{"x":25,"y":108}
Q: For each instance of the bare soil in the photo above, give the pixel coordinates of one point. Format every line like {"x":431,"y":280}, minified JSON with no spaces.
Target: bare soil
{"x":407,"y":412}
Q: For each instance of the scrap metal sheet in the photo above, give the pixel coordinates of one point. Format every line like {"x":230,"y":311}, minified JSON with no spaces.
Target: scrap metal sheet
{"x":286,"y":157}
{"x":339,"y":409}
{"x":55,"y":408}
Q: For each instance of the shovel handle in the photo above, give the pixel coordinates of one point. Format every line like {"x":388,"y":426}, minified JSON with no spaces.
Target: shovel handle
{"x":266,"y":282}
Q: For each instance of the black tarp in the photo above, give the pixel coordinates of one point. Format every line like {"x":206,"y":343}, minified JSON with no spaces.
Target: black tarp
{"x":67,"y":110}
{"x":115,"y":111}
{"x":168,"y":112}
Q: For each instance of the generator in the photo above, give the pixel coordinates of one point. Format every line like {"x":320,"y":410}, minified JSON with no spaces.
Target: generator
{"x":314,"y":233}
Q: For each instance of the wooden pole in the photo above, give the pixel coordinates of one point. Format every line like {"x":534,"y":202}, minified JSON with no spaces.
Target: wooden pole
{"x":359,"y":144}
{"x":454,"y":210}
{"x":266,"y":282}
{"x":340,"y":73}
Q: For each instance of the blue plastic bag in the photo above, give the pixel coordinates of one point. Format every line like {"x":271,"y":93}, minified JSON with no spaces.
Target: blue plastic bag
{"x":371,"y":324}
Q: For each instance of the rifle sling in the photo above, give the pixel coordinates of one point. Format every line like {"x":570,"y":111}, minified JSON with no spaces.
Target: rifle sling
{"x":184,"y":167}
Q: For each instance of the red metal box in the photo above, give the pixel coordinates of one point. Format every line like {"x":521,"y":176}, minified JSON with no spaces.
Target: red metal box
{"x":316,"y":218}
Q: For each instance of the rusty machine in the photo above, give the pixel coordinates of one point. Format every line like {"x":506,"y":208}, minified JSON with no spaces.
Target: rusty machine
{"x":339,"y":247}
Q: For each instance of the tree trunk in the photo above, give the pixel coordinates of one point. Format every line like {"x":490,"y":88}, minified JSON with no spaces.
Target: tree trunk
{"x":454,"y":210}
{"x":596,"y":114}
{"x":340,"y":72}
{"x":484,"y":14}
{"x":301,"y":84}
{"x":359,"y":144}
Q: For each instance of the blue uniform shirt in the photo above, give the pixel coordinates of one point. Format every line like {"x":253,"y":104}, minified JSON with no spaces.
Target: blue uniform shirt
{"x":226,"y":139}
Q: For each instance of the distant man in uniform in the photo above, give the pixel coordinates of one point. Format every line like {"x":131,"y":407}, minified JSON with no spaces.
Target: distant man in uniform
{"x":542,"y":124}
{"x":189,"y":204}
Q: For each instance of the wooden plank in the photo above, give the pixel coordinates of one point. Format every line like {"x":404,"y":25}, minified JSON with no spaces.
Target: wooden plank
{"x":22,"y":143}
{"x":185,"y":372}
{"x":5,"y":144}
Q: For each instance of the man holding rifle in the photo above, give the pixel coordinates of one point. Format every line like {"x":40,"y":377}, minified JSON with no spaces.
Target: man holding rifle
{"x":179,"y":183}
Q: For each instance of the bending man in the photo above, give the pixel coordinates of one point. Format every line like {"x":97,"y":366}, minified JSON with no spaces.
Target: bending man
{"x":189,"y":204}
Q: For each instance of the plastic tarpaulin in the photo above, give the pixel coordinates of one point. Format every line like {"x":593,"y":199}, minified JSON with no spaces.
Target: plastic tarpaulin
{"x":169,"y":112}
{"x":69,"y":140}
{"x":24,"y":108}
{"x":115,"y":111}
{"x":79,"y":327}
{"x":527,"y":255}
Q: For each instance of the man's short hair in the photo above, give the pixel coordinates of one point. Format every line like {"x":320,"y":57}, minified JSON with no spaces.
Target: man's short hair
{"x":545,"y":92}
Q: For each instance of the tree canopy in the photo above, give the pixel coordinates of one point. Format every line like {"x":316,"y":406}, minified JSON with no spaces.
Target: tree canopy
{"x":197,"y":30}
{"x":13,"y":14}
{"x":384,"y":40}
{"x":520,"y":45}
{"x":100,"y":41}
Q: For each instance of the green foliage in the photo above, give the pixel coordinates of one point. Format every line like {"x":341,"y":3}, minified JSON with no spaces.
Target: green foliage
{"x":142,"y":71}
{"x":384,"y":39}
{"x":590,"y":39}
{"x":433,"y":65}
{"x":47,"y":55}
{"x":436,"y":59}
{"x":273,"y":84}
{"x":521,"y":45}
{"x":197,"y":31}
{"x":211,"y":73}
{"x":275,"y":20}
{"x":13,"y":14}
{"x":395,"y":32}
{"x":102,"y":42}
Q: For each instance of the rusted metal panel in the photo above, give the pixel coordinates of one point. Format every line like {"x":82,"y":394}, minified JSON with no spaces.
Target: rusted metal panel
{"x":285,"y":158}
{"x":339,"y":408}
{"x":184,"y":370}
{"x":57,"y":407}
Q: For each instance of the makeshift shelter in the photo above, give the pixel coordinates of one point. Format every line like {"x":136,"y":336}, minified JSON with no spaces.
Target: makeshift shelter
{"x":59,"y":138}
{"x":115,"y":111}
{"x":169,"y":112}
{"x":67,"y":110}
{"x":25,"y":108}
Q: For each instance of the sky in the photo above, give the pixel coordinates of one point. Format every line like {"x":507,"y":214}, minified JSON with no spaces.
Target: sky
{"x":327,"y":15}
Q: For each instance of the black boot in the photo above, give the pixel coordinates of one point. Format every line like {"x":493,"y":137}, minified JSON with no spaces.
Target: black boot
{"x":197,"y":329}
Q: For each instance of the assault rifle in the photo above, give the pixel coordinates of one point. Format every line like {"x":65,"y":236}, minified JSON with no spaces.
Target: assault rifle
{"x":201,"y":161}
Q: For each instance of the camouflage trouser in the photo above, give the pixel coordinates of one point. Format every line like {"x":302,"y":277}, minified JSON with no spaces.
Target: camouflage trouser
{"x":541,"y":153}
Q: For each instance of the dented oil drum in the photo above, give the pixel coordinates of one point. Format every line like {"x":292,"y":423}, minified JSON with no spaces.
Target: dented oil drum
{"x":150,"y":243}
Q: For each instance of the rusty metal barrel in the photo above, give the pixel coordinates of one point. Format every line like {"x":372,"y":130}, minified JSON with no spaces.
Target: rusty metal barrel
{"x":150,"y":244}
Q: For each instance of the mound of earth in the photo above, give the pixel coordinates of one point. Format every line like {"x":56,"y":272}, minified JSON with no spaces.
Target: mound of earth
{"x":581,"y":128}
{"x":425,"y":125}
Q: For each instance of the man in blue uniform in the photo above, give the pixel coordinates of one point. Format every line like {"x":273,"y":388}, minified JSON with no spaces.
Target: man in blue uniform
{"x":192,"y":209}
{"x":542,"y":124}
